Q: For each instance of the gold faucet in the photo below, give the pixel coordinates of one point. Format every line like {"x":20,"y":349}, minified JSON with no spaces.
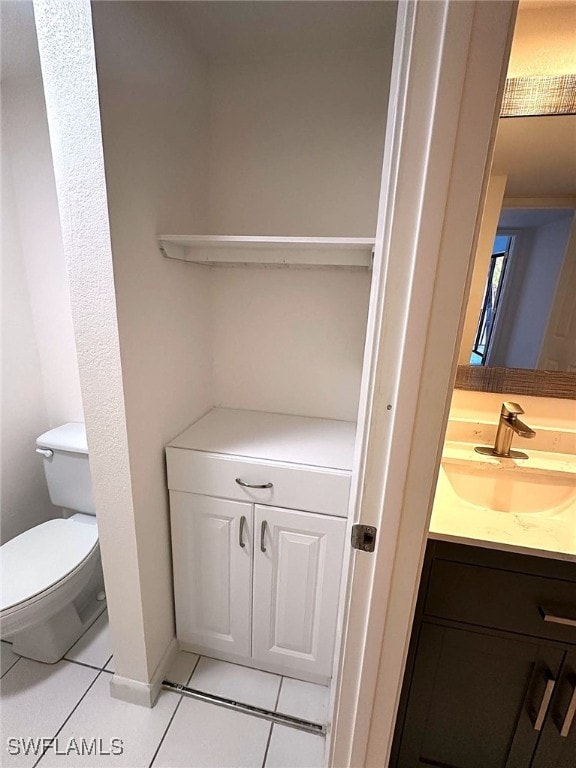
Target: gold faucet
{"x":508,"y":425}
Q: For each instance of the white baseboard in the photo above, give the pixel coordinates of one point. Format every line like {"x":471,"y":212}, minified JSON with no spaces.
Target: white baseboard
{"x":144,"y":694}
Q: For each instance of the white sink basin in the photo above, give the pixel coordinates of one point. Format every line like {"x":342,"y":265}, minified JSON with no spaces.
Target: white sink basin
{"x":522,"y":505}
{"x":544,"y":484}
{"x":505,"y":489}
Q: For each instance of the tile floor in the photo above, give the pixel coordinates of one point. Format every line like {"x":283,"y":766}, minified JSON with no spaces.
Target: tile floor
{"x":71,"y":701}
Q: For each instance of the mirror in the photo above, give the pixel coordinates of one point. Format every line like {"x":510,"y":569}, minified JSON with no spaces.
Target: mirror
{"x":521,"y":313}
{"x":520,"y":324}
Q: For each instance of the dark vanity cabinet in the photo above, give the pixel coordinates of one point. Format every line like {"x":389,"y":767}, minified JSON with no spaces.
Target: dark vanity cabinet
{"x":491,"y":675}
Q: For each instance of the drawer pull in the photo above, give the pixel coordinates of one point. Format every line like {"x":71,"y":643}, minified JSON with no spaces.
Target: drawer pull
{"x":544,"y":704}
{"x":555,"y":618}
{"x":262,"y":536}
{"x":241,"y":532}
{"x":253,"y":485}
{"x":571,"y":711}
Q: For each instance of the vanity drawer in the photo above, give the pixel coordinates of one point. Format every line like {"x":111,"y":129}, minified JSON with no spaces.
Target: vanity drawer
{"x":502,"y":599}
{"x":304,"y":488}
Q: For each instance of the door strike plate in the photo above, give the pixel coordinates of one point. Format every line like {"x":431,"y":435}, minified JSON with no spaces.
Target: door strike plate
{"x":364,"y":537}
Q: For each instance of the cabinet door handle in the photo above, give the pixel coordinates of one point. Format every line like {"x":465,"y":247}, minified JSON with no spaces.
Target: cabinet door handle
{"x":262,"y":536}
{"x":253,"y":485}
{"x":544,"y":704}
{"x":241,"y":532}
{"x":570,"y":712}
{"x":554,"y":618}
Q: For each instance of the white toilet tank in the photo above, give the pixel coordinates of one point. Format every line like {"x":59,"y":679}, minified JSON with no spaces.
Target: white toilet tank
{"x":65,"y":452}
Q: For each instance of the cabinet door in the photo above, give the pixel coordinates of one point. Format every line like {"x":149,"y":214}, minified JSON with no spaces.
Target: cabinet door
{"x":212,"y":571}
{"x":296,"y":588}
{"x":557,"y":745}
{"x":474,"y":700}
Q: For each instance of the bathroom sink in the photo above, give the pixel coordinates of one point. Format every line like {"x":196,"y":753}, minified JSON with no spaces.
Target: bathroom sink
{"x":543,"y":484}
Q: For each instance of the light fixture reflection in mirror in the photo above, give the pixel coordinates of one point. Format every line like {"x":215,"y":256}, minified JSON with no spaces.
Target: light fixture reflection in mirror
{"x":544,"y":95}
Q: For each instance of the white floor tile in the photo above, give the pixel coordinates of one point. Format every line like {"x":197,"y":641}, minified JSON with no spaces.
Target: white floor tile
{"x":7,"y":657}
{"x":101,"y":717}
{"x":182,"y":668}
{"x":94,"y":647}
{"x":304,"y":700}
{"x":36,"y":700}
{"x":206,"y":736}
{"x":249,"y":686}
{"x":290,"y":748}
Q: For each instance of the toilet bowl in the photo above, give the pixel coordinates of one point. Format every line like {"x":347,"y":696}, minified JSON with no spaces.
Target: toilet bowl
{"x":51,"y":584}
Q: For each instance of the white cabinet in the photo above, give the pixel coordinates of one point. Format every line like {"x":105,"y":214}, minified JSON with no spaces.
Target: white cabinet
{"x":212,"y":561}
{"x":256,"y":582}
{"x":297,"y":566}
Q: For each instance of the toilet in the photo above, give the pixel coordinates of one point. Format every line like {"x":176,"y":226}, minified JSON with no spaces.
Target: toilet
{"x":51,"y":580}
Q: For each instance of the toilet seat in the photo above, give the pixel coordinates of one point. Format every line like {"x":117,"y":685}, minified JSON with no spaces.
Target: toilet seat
{"x":43,"y":557}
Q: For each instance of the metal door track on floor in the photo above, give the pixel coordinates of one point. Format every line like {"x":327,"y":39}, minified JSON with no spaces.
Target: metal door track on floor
{"x":248,"y":709}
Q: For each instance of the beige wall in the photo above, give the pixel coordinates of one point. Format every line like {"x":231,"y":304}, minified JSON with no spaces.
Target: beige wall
{"x":297,"y":143}
{"x":24,"y":495}
{"x":290,"y":341}
{"x":39,"y":225}
{"x":68,"y":72}
{"x":154,"y":121}
{"x":544,"y":40}
{"x":40,"y":381}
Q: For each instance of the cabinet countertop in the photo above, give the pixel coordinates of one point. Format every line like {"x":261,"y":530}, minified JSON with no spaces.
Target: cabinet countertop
{"x":510,"y":536}
{"x":315,"y":442}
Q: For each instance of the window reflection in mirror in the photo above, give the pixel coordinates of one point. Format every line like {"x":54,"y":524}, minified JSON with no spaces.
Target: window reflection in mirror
{"x":491,"y":301}
{"x":527,"y":303}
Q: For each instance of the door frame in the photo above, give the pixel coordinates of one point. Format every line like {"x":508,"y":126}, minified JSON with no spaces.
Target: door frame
{"x":449,"y":68}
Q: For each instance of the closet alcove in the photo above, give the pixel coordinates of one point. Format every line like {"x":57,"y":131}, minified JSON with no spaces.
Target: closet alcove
{"x":233,"y":121}
{"x":243,"y":146}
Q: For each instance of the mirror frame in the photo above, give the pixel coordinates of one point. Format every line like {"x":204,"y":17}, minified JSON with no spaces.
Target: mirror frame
{"x":518,"y":381}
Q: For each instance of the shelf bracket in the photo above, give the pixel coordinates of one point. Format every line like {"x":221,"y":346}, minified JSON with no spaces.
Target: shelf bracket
{"x":173,"y":250}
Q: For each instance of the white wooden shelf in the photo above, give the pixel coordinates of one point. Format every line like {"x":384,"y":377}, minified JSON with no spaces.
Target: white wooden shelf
{"x":303,"y":251}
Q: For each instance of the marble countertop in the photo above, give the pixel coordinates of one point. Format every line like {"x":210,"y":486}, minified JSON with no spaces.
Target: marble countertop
{"x":471,"y":485}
